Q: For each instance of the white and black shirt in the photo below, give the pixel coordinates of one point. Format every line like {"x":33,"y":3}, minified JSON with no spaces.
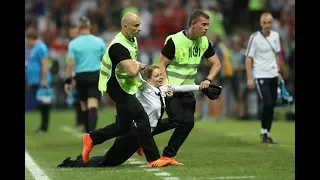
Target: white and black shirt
{"x":263,"y":52}
{"x":149,"y":97}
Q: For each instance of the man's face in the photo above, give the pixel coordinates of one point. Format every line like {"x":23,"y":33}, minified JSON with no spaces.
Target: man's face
{"x":30,"y":42}
{"x":73,"y":33}
{"x":133,"y":27}
{"x":201,"y":26}
{"x":266,"y":23}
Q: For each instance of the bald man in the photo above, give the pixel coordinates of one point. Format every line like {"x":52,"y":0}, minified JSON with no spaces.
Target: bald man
{"x":264,"y":48}
{"x":121,"y":55}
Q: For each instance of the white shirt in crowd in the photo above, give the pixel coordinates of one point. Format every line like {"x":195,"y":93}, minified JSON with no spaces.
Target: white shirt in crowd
{"x":264,"y":59}
{"x":149,"y":99}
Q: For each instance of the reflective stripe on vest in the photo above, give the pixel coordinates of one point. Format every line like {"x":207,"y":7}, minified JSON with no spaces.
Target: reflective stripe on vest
{"x":105,"y":73}
{"x":183,"y":68}
{"x":128,"y":84}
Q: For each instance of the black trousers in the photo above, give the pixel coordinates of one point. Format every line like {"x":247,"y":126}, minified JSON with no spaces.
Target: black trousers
{"x":126,"y":112}
{"x":180,"y":109}
{"x":122,"y":149}
{"x":43,"y":108}
{"x":267,"y":91}
{"x":77,"y":109}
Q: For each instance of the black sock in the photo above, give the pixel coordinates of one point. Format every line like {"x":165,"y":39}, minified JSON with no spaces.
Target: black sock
{"x":77,"y":107}
{"x":85,"y":119}
{"x":93,"y":117}
{"x":44,"y":111}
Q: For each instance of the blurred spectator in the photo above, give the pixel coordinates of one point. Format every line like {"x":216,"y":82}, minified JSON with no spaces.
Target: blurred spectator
{"x":146,"y":19}
{"x":109,"y":33}
{"x":255,"y":8}
{"x":60,"y":43}
{"x":238,"y":79}
{"x":161,"y":23}
{"x":216,"y":20}
{"x":81,"y":9}
{"x":205,"y":106}
{"x":177,"y":15}
{"x":129,"y":6}
{"x":191,"y":5}
{"x":283,"y":27}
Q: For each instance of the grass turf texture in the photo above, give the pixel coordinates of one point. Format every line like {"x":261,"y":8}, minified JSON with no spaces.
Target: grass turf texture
{"x":214,"y":150}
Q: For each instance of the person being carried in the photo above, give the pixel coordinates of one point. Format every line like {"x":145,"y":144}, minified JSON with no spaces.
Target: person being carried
{"x":151,"y":95}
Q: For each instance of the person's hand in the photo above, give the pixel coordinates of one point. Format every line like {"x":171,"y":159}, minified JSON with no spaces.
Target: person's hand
{"x":67,"y":88}
{"x":280,"y":78}
{"x":141,"y":66}
{"x":169,"y":93}
{"x":43,"y":83}
{"x":250,"y":83}
{"x":204,"y":84}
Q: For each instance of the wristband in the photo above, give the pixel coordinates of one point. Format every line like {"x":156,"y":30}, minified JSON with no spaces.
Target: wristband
{"x":208,"y":79}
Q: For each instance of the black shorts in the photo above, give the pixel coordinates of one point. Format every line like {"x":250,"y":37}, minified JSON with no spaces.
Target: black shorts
{"x":87,"y":85}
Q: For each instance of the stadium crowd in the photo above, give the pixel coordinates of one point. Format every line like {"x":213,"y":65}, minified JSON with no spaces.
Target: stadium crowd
{"x":231,"y":23}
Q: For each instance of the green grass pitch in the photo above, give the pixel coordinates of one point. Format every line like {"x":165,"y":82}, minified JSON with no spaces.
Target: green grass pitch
{"x":227,"y":149}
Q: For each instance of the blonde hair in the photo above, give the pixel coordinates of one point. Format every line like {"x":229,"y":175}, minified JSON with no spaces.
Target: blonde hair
{"x":196,"y":14}
{"x":265,"y":14}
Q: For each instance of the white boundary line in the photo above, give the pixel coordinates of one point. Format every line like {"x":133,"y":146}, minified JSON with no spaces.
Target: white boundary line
{"x":72,"y":131}
{"x":34,"y":169}
{"x":225,"y":177}
{"x":157,"y":171}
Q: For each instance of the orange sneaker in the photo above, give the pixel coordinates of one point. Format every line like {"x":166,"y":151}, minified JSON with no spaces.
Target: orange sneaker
{"x":140,"y":151}
{"x":158,"y":163}
{"x":172,"y":161}
{"x":87,"y":147}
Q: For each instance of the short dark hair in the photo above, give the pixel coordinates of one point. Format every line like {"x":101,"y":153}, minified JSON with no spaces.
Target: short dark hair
{"x":72,"y":26}
{"x":147,"y":73}
{"x":31,"y":33}
{"x":84,"y":23}
{"x":196,"y":14}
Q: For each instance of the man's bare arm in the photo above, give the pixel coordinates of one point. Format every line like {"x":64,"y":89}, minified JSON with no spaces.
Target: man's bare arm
{"x":163,"y":62}
{"x":132,"y":67}
{"x":69,"y":68}
{"x":249,"y":67}
{"x":279,"y":66}
{"x":215,"y":67}
{"x":44,"y":69}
